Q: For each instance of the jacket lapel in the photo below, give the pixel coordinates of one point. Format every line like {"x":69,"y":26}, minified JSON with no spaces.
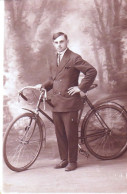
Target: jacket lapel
{"x":63,"y":62}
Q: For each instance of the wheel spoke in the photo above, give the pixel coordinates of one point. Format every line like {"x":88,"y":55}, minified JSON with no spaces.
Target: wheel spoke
{"x":15,"y":157}
{"x":93,"y":137}
{"x":98,"y":143}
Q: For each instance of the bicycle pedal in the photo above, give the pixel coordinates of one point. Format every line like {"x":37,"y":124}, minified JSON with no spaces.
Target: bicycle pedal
{"x":85,"y":153}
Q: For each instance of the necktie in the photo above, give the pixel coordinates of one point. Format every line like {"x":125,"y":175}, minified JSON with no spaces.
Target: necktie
{"x":58,"y":59}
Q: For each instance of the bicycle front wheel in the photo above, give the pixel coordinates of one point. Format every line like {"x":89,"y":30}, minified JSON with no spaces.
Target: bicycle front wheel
{"x":105,"y":132}
{"x":22,"y":142}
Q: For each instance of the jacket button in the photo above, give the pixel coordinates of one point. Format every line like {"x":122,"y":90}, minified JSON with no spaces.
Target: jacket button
{"x":59,"y":93}
{"x":60,"y":80}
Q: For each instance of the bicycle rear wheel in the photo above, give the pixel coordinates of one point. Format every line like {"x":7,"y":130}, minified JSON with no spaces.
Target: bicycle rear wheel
{"x":22,"y":142}
{"x":105,"y":132}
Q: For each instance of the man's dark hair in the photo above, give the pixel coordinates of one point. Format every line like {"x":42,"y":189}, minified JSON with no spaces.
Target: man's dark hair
{"x":56,"y":35}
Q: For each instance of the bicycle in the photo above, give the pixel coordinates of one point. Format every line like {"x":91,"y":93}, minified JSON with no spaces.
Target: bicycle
{"x":103,"y":131}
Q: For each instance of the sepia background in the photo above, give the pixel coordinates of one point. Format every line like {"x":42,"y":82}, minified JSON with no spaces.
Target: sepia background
{"x":97,"y":30}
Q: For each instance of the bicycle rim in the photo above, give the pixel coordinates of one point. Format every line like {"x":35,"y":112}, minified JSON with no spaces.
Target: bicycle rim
{"x":22,"y":143}
{"x":106,"y":137}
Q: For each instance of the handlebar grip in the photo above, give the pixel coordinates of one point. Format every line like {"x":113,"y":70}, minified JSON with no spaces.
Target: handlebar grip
{"x":24,"y":97}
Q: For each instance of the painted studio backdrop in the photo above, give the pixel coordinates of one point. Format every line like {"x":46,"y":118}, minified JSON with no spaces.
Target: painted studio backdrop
{"x":97,"y":30}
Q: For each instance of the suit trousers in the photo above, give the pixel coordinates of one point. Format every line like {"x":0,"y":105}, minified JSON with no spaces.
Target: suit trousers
{"x":66,"y":128}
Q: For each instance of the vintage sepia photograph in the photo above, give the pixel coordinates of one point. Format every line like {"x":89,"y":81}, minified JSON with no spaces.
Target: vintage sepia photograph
{"x":64,"y":96}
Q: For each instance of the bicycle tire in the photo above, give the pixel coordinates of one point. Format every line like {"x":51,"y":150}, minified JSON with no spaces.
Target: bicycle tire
{"x":103,"y":143}
{"x":22,"y":142}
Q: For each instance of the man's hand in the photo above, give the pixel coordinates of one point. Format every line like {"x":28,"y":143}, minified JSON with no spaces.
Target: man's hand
{"x":73,"y":90}
{"x":38,"y":86}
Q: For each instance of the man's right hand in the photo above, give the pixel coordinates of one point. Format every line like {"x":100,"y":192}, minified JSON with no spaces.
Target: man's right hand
{"x":38,"y":86}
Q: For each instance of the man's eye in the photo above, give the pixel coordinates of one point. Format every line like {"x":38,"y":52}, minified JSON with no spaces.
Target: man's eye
{"x":59,"y":42}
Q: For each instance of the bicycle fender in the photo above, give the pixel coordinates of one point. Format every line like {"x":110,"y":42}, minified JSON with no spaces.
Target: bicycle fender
{"x":41,"y":122}
{"x":109,"y":101}
{"x":29,"y":110}
{"x":116,"y":104}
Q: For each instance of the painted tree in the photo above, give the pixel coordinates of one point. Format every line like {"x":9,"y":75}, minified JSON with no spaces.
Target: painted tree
{"x":28,"y":46}
{"x":29,"y":25}
{"x":108,"y":33}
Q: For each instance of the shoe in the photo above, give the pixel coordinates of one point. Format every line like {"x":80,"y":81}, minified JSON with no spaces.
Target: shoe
{"x":71,"y":166}
{"x":62,"y":164}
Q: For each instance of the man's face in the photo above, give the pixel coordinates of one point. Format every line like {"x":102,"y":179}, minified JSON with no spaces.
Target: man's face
{"x":60,"y":43}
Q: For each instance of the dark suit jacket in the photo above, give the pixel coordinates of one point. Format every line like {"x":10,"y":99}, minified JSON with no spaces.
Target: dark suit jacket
{"x":67,"y":74}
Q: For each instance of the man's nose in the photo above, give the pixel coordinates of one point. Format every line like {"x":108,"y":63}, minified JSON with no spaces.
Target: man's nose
{"x":59,"y":44}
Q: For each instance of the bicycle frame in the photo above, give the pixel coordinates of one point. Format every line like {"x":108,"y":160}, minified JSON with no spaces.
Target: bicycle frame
{"x":38,"y":109}
{"x":93,"y":109}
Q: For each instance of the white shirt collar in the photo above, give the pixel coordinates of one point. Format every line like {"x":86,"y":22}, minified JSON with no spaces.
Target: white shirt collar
{"x":62,"y":53}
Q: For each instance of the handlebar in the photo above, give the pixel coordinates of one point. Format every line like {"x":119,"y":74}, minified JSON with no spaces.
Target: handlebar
{"x":24,"y":97}
{"x":42,"y":92}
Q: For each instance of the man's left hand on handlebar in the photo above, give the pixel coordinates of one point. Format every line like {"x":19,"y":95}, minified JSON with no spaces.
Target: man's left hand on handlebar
{"x":38,"y":86}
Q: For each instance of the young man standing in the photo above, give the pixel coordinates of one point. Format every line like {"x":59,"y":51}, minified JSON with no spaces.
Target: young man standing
{"x":66,"y":98}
